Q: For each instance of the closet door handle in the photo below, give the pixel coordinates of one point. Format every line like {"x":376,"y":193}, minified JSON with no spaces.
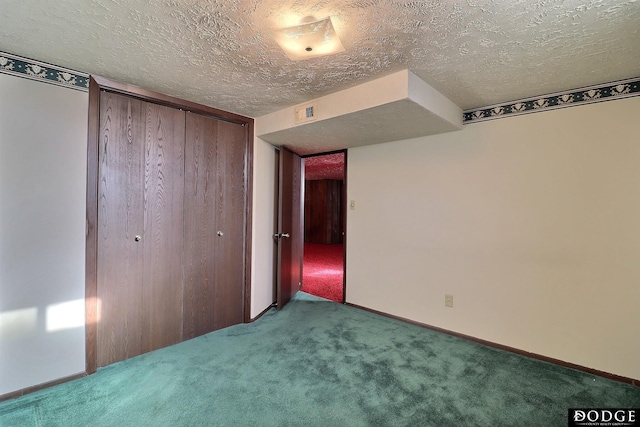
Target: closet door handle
{"x":220,"y":233}
{"x":137,"y":238}
{"x":285,"y":235}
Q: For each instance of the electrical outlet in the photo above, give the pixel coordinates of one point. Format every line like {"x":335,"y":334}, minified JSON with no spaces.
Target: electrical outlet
{"x":448,"y":301}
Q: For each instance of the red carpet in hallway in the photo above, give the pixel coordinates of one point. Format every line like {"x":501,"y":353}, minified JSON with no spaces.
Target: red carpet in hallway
{"x":322,"y":274}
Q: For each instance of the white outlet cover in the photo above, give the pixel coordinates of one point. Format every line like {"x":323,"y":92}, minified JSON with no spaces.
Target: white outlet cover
{"x":448,"y":301}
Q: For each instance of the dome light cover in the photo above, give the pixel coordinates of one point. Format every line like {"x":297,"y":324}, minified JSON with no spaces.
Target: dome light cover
{"x":309,"y":39}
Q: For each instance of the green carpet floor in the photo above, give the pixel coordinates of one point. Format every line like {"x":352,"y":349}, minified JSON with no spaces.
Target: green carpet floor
{"x":318,"y":363}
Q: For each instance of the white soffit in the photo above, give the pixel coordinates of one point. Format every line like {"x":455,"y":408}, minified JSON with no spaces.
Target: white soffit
{"x":398,"y":106}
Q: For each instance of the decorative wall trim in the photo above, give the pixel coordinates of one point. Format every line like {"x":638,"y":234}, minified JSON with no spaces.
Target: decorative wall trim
{"x":53,"y":74}
{"x":41,"y":71}
{"x":587,"y":95}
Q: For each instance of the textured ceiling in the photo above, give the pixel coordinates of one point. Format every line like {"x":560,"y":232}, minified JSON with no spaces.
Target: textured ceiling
{"x":220,"y":52}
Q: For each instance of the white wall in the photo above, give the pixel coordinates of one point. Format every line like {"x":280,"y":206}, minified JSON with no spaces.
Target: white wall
{"x":532,"y":223}
{"x":263,"y":217}
{"x":43,"y":140}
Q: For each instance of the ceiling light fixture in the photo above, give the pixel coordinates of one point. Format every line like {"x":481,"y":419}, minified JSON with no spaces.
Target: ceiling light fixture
{"x":309,"y":39}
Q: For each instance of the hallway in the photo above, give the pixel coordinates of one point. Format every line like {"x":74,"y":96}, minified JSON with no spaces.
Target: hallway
{"x":323,"y":270}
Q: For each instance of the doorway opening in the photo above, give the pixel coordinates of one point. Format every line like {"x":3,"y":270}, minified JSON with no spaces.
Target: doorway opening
{"x":324,"y":226}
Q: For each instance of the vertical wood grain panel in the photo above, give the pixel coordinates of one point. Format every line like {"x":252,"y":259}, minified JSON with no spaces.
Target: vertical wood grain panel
{"x":215,"y":202}
{"x":297,"y":224}
{"x":335,"y":212}
{"x":323,"y":212}
{"x":248,"y":144}
{"x":120,"y":270}
{"x":290,"y":211}
{"x":200,"y":225}
{"x":91,"y":261}
{"x":163,"y":226}
{"x":230,"y":221}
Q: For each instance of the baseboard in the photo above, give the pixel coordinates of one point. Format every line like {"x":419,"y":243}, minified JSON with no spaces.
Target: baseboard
{"x":614,"y":377}
{"x":22,"y":392}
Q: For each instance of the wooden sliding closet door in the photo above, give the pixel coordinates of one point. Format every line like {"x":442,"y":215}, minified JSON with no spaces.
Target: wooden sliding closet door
{"x":140,"y":220}
{"x":168,"y":214}
{"x":230,"y":219}
{"x":163,"y":226}
{"x":120,"y":215}
{"x":214,"y":224}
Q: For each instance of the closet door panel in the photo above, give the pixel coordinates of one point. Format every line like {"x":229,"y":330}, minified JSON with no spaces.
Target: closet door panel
{"x":171,"y":219}
{"x":200,"y":224}
{"x":120,"y":269}
{"x":163,"y":193}
{"x":323,"y":211}
{"x":230,"y":221}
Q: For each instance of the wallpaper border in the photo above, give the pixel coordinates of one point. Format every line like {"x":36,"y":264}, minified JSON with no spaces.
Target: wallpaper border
{"x":587,"y":95}
{"x":53,"y":74}
{"x":35,"y":70}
